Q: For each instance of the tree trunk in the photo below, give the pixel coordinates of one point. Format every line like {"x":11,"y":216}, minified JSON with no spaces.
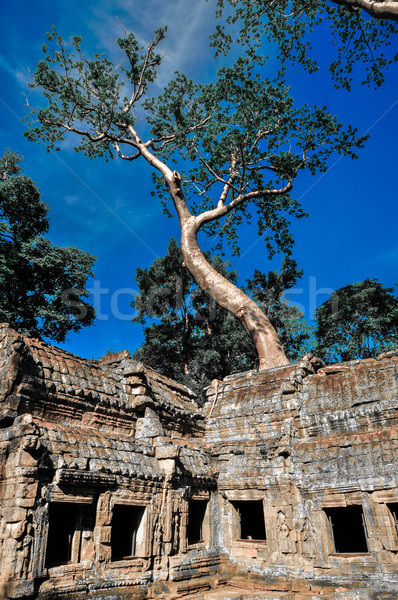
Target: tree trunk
{"x":226,"y":294}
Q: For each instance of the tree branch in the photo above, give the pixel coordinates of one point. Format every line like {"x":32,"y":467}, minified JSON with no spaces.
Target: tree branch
{"x":386,"y":9}
{"x":125,"y":156}
{"x":222,"y":209}
{"x":139,"y":88}
{"x":143,"y":148}
{"x":227,"y":184}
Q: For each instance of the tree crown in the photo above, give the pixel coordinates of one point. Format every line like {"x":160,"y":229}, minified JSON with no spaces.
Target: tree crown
{"x":240,"y":140}
{"x":357,"y":321}
{"x":42,"y":286}
{"x":360,"y":31}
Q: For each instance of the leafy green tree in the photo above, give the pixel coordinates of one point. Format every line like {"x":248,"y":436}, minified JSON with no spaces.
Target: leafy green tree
{"x":41,"y":286}
{"x":240,"y":143}
{"x":191,"y":339}
{"x":360,"y":30}
{"x":357,"y":321}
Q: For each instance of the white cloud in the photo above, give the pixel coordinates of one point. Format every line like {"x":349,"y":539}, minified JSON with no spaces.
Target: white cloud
{"x":18,"y":72}
{"x":189,"y":24}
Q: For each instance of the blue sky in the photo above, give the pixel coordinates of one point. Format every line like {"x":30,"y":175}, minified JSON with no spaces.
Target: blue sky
{"x":107,"y":209}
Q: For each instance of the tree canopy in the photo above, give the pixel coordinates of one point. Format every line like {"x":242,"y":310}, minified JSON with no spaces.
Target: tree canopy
{"x":240,"y":142}
{"x":357,"y":321}
{"x":42,"y":285}
{"x":360,"y":31}
{"x":191,"y":339}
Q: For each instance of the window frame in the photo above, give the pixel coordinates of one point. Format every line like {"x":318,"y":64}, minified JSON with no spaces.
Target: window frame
{"x":141,"y":549}
{"x":237,"y":522}
{"x":393,"y":514}
{"x":74,"y":549}
{"x":204,"y":521}
{"x":332,"y":533}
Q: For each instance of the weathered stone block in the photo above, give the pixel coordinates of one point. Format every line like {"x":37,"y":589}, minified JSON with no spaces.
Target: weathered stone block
{"x":13,"y":514}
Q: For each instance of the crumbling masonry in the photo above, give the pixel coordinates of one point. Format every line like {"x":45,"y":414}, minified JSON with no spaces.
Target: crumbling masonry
{"x":114,"y":483}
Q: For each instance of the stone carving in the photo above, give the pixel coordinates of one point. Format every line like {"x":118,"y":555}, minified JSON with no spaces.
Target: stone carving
{"x":115,"y":482}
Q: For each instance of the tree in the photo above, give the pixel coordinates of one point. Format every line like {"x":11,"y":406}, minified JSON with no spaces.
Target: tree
{"x":187,"y":336}
{"x":360,"y":30}
{"x":191,"y":339}
{"x":240,"y":141}
{"x":357,"y":321}
{"x":41,"y":285}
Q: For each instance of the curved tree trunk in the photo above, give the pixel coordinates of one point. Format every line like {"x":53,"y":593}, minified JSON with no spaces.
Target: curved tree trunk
{"x":226,"y":294}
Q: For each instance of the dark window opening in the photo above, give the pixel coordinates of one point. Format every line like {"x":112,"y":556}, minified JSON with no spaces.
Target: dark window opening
{"x":196,"y":515}
{"x":251,"y":519}
{"x":67,"y":521}
{"x":393,"y":508}
{"x":125,"y":524}
{"x":348,"y":529}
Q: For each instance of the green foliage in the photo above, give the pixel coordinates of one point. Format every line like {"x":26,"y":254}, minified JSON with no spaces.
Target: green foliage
{"x":41,"y":286}
{"x":357,"y":37}
{"x":91,"y":93}
{"x":241,"y":135}
{"x":239,"y":144}
{"x":357,"y":321}
{"x":245,"y":132}
{"x":191,"y":339}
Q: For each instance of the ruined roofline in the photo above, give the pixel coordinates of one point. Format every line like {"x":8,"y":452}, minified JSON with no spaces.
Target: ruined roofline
{"x":46,"y":381}
{"x":119,"y":369}
{"x":318,"y":366}
{"x":285,"y":386}
{"x":112,"y":361}
{"x":307,"y":365}
{"x":107,"y":361}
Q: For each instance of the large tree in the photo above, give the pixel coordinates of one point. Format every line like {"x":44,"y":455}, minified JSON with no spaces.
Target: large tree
{"x":360,"y":31}
{"x":239,"y":143}
{"x":357,"y":321}
{"x":41,"y":285}
{"x":191,"y":339}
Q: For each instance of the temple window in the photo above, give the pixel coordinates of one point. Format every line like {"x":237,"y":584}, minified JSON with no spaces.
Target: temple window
{"x":251,"y":524}
{"x":127,"y":530}
{"x":70,"y":533}
{"x":348,"y":529}
{"x":196,"y":516}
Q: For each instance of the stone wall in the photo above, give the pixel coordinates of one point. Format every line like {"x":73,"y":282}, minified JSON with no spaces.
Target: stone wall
{"x":308,"y":443}
{"x":82,"y":441}
{"x":115,"y":483}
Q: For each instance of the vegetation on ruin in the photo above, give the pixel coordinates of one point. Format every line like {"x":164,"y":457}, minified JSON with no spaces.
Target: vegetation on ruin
{"x":191,"y":339}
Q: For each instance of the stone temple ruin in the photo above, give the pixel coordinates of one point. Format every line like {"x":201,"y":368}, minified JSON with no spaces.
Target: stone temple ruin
{"x":115,"y":483}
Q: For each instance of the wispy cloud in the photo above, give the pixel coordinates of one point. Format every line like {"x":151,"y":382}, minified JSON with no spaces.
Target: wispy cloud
{"x":17,"y":71}
{"x":186,"y":37}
